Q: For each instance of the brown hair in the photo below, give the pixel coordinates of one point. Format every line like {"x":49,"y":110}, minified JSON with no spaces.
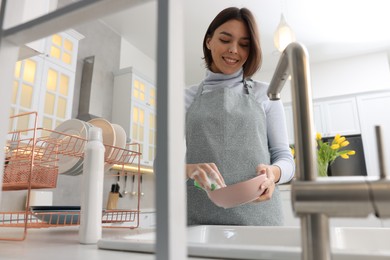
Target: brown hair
{"x":254,"y":60}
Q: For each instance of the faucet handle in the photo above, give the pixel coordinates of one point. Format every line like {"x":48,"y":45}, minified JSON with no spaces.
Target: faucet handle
{"x":381,"y":152}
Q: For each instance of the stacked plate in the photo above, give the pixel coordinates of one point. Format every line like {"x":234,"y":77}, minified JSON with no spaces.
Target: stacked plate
{"x":114,"y":136}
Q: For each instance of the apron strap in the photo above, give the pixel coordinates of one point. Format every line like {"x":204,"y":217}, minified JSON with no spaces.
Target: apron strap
{"x":248,"y":85}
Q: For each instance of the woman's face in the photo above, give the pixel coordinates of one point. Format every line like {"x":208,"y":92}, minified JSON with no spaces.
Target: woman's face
{"x":229,"y":47}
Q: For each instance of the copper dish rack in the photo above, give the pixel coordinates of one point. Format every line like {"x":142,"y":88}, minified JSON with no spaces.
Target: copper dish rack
{"x":31,"y":162}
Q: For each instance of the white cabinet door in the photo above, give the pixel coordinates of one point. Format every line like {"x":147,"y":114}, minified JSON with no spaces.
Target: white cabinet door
{"x":373,"y":110}
{"x":342,"y":117}
{"x":337,"y":116}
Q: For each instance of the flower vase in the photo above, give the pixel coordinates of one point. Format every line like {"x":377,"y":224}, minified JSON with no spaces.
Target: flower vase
{"x":322,"y":168}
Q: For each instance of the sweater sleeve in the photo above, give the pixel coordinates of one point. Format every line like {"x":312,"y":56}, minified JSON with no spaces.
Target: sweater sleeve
{"x":277,"y":134}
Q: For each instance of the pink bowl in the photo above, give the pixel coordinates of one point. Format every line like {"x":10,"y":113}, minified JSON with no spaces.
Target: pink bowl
{"x":238,"y":193}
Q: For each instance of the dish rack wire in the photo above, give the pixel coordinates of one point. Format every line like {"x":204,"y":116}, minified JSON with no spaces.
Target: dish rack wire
{"x":31,"y":162}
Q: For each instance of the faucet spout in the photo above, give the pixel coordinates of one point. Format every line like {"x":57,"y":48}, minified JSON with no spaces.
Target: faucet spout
{"x":294,"y":61}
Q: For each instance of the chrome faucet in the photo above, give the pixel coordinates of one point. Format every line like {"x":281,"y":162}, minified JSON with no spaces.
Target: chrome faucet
{"x":315,"y":201}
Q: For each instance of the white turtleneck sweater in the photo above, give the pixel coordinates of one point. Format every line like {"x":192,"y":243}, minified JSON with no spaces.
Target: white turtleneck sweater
{"x":276,"y":123}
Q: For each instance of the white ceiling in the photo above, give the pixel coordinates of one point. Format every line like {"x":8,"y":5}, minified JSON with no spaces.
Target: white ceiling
{"x":328,"y":28}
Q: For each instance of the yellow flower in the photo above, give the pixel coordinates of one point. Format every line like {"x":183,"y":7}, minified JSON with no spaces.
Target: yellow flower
{"x":328,"y":152}
{"x":335,"y":146}
{"x":341,"y":140}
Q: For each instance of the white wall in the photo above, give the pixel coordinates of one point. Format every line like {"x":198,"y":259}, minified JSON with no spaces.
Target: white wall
{"x":357,"y":74}
{"x":133,"y":57}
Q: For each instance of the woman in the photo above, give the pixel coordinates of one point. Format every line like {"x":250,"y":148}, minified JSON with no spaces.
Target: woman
{"x":233,"y":131}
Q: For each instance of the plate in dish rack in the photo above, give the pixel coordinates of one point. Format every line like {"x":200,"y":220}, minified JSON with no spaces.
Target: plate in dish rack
{"x":108,"y":133}
{"x":66,"y":132}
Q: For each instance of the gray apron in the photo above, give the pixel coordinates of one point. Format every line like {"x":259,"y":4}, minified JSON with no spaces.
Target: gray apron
{"x":228,"y":129}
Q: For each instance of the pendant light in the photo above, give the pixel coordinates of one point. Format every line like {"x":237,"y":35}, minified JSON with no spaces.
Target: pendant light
{"x":283,"y":35}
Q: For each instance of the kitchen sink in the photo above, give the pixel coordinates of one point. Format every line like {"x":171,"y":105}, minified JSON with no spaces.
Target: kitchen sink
{"x":248,"y":242}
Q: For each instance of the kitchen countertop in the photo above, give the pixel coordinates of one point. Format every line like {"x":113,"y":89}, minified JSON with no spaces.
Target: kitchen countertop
{"x":62,"y":243}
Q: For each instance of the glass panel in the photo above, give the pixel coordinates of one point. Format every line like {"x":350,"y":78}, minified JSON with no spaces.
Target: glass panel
{"x":151,"y":154}
{"x":136,"y":84}
{"x":52,"y":80}
{"x":18,"y":65}
{"x":142,"y":87}
{"x":49,"y":104}
{"x":57,"y":39}
{"x":151,"y":137}
{"x":136,"y":93}
{"x":152,"y":97}
{"x":47,"y":123}
{"x":30,"y":68}
{"x":135,"y":114}
{"x":26,"y":96}
{"x":141,"y":147}
{"x":61,"y":107}
{"x":152,"y":121}
{"x":134,"y":130}
{"x":141,"y":117}
{"x":14,"y":92}
{"x":68,"y":45}
{"x":141,"y":134}
{"x":142,"y":96}
{"x":23,"y":122}
{"x":67,"y":58}
{"x":55,"y":52}
{"x":64,"y":85}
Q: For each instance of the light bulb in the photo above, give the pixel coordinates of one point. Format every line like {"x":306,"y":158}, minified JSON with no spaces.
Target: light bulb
{"x":284,"y":35}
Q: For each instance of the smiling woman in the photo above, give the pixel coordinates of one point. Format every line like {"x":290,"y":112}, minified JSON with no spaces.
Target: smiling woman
{"x":233,"y":132}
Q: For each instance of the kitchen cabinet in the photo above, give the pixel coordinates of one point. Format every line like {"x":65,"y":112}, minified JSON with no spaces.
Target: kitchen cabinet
{"x":331,"y":117}
{"x":134,"y":108}
{"x":45,"y":83}
{"x":336,"y":116}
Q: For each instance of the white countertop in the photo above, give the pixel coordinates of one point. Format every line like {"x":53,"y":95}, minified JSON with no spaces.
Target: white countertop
{"x":62,"y":243}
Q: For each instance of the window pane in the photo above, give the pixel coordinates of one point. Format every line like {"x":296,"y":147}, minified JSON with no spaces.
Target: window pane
{"x":142,"y":87}
{"x":141,"y":134}
{"x":142,"y":96}
{"x":30,"y":68}
{"x":61,"y":107}
{"x":52,"y":80}
{"x":134,"y":133}
{"x":136,"y":84}
{"x":26,"y":96}
{"x":152,"y":121}
{"x":47,"y":123}
{"x":22,"y":121}
{"x":67,"y":58}
{"x":68,"y":45}
{"x":56,"y":39}
{"x":151,"y":137}
{"x":17,"y":69}
{"x":136,"y":93}
{"x":64,"y":85}
{"x":141,"y":117}
{"x":151,"y":153}
{"x":49,"y":104}
{"x":14,"y":92}
{"x":55,"y":52}
{"x":135,"y":114}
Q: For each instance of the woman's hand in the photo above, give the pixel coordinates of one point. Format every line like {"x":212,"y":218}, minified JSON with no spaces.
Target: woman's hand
{"x":273,"y":173}
{"x":203,"y":173}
